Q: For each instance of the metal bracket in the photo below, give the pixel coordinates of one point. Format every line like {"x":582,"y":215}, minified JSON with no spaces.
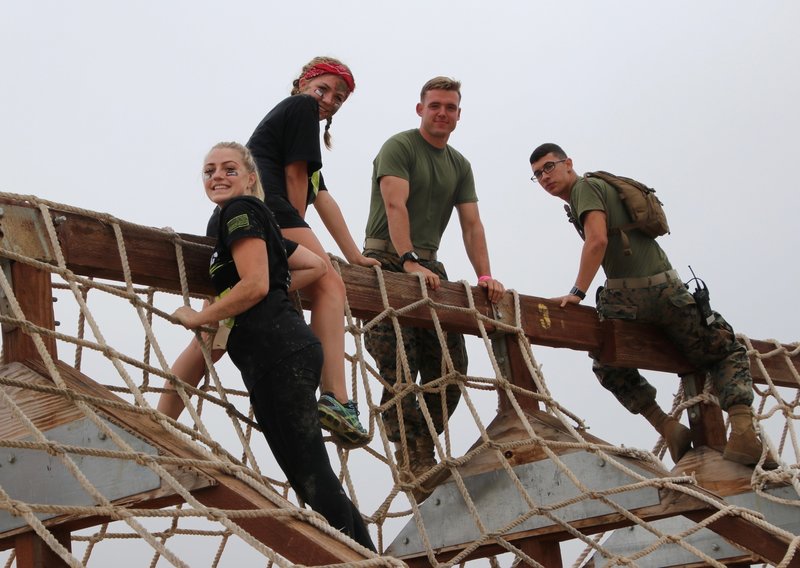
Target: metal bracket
{"x":499,"y":347}
{"x":35,"y":476}
{"x":780,"y":510}
{"x":690,"y":391}
{"x":22,"y":231}
{"x":496,"y":499}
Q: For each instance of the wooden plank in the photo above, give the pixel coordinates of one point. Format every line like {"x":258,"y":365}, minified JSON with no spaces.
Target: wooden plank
{"x":34,"y":293}
{"x":705,"y":420}
{"x":45,"y":410}
{"x":778,"y":366}
{"x":723,"y":477}
{"x":90,"y":249}
{"x":33,"y":552}
{"x":293,"y":538}
{"x":628,"y":344}
{"x":519,"y":375}
{"x":545,"y":552}
{"x":512,"y":363}
{"x":750,"y":536}
{"x":403,"y":289}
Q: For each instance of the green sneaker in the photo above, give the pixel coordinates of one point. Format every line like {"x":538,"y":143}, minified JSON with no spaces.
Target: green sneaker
{"x":341,"y":420}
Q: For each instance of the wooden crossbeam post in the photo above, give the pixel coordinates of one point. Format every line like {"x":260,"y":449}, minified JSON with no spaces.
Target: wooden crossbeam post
{"x":545,"y":552}
{"x":33,"y":552}
{"x":705,"y":420}
{"x":86,"y":243}
{"x":34,"y":293}
{"x":508,"y":354}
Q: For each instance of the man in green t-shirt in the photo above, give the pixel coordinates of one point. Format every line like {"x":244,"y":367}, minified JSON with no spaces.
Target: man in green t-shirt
{"x":417,"y":181}
{"x":643,"y":286}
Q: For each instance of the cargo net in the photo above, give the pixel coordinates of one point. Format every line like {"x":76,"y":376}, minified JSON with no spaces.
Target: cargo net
{"x":488,"y":505}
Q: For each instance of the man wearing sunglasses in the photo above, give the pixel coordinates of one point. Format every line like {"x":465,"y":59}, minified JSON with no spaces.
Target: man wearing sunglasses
{"x":641,"y":285}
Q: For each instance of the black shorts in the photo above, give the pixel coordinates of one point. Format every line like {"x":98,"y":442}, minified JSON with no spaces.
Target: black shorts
{"x":285,"y":214}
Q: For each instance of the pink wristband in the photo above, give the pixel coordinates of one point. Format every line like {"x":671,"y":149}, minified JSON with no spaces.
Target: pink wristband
{"x":484,"y":278}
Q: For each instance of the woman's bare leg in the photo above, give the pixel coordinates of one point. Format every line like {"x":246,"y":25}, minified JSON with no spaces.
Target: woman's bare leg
{"x":327,"y":314}
{"x":190,"y":368}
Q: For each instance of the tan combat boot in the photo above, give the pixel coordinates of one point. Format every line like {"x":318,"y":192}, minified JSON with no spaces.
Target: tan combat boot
{"x":425,"y":453}
{"x":420,"y":460}
{"x":677,"y":436}
{"x":423,"y":460}
{"x":424,"y":457}
{"x":743,"y":445}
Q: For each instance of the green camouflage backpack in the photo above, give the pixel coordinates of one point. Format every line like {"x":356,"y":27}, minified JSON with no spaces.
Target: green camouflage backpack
{"x":645,"y":209}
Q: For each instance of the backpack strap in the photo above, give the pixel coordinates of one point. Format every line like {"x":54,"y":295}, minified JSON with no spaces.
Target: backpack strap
{"x":572,"y":219}
{"x":626,"y":242}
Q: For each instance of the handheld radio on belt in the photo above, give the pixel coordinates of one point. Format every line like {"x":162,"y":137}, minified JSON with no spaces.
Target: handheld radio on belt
{"x":702,"y":298}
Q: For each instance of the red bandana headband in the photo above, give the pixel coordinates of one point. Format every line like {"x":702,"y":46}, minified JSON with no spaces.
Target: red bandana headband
{"x":332,"y":69}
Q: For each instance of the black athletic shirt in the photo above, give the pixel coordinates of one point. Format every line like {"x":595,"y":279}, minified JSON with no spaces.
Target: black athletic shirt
{"x":212,"y":230}
{"x":289,"y":133}
{"x":272,"y":329}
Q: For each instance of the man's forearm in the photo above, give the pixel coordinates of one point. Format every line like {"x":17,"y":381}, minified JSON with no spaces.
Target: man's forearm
{"x":594,"y":248}
{"x":477,"y":250}
{"x":399,"y":228}
{"x":591,"y":260}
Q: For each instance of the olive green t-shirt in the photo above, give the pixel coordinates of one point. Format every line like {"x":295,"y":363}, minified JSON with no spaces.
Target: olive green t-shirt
{"x":646,"y":258}
{"x":438,"y":178}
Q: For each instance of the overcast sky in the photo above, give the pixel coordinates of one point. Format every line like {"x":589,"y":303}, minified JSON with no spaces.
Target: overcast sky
{"x":111,"y":106}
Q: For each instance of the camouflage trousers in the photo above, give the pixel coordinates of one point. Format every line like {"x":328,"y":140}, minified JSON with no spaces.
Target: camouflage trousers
{"x":424,"y":353}
{"x":713,"y":349}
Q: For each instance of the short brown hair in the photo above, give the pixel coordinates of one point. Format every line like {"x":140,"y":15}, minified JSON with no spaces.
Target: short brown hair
{"x":441,"y":83}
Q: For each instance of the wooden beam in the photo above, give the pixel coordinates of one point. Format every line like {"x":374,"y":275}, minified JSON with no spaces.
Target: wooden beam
{"x":291,"y":537}
{"x":33,"y":291}
{"x":507,"y":427}
{"x":545,"y":552}
{"x":750,"y":536}
{"x":705,"y":420}
{"x":518,"y":374}
{"x":778,"y":366}
{"x":90,"y":249}
{"x":33,"y":552}
{"x":740,"y":531}
{"x":512,"y":363}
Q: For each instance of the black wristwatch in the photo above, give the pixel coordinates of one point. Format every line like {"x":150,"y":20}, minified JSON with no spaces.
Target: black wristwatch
{"x":578,"y":292}
{"x":410,"y":255}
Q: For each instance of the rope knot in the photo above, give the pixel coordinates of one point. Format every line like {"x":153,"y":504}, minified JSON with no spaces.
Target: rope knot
{"x":52,"y":448}
{"x":143,"y":459}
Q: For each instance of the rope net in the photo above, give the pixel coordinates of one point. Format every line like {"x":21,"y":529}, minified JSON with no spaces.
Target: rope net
{"x":120,"y":335}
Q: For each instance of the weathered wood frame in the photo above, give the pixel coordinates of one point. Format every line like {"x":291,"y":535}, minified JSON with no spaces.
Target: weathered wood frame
{"x":86,"y":242}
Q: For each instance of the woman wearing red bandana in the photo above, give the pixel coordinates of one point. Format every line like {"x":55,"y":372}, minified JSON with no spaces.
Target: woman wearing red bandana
{"x":287,"y":150}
